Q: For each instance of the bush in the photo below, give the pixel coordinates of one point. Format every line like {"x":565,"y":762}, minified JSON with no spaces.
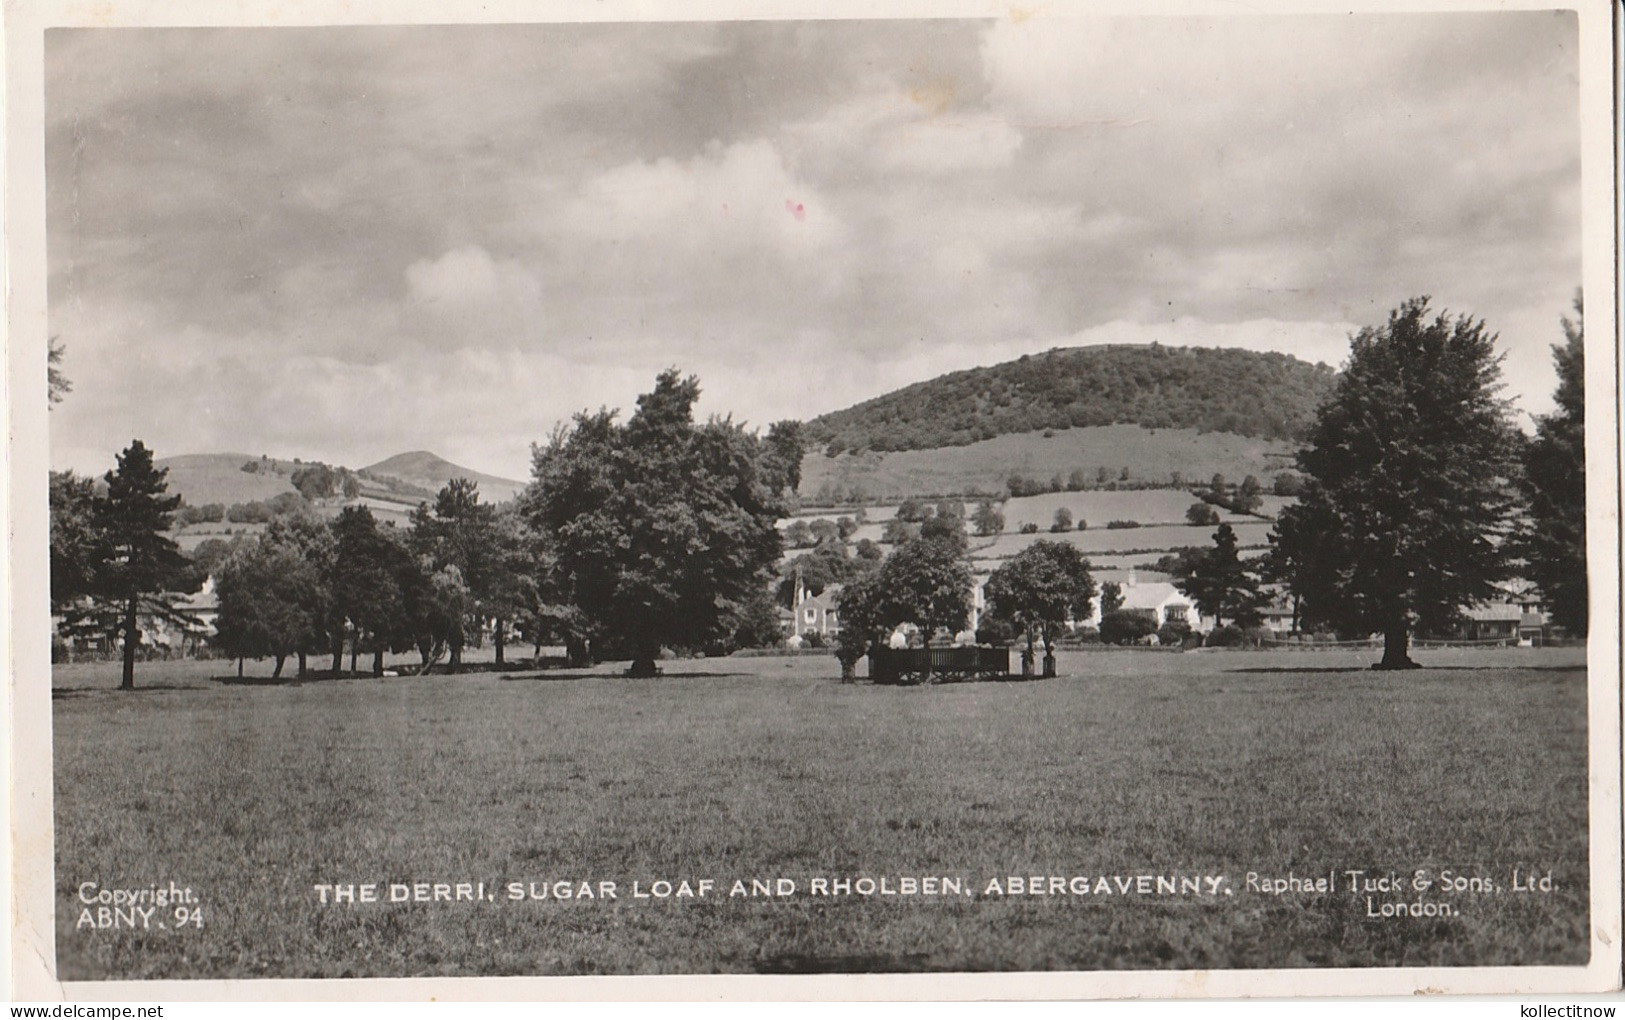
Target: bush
{"x":1086,"y":636}
{"x":1173,"y":633}
{"x":1119,"y":525}
{"x":995,"y":632}
{"x":1289,"y":483}
{"x":1029,"y":529}
{"x":1082,"y":525}
{"x":1122,"y":628}
{"x":1201,"y":514}
{"x":253,"y":512}
{"x":1228,"y":636}
{"x":1063,"y":520}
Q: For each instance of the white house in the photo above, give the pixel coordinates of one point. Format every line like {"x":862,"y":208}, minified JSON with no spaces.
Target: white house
{"x":1159,"y":601}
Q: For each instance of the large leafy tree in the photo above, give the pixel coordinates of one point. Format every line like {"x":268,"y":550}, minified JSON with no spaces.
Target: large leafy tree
{"x":370,"y":583}
{"x":76,"y":545}
{"x":460,"y":533}
{"x":860,"y":605}
{"x":138,"y":561}
{"x":1413,"y":463}
{"x":926,"y":583}
{"x":266,"y":603}
{"x":1554,"y":541}
{"x":308,"y":540}
{"x":1220,"y":584}
{"x":664,"y":529}
{"x":1039,"y":589}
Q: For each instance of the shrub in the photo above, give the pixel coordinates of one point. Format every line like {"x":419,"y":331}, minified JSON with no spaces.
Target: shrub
{"x":1201,"y":514}
{"x":1122,"y":628}
{"x":1119,"y":525}
{"x":1173,"y":633}
{"x":1228,"y":636}
{"x":1029,"y":529}
{"x":1082,"y":525}
{"x":1087,"y":636}
{"x":995,"y":632}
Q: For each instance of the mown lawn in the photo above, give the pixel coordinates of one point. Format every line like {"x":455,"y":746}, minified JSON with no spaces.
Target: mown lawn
{"x":1211,"y":764}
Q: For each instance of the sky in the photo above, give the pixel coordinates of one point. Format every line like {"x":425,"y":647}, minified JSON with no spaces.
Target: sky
{"x":345,"y":243}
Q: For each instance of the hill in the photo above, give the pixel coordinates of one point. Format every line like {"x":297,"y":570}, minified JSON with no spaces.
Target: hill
{"x":203,"y":478}
{"x":431,"y":472}
{"x":1265,"y":396}
{"x":403,"y":480}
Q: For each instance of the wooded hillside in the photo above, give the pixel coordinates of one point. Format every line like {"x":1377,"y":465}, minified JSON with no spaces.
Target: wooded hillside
{"x":1246,"y":393}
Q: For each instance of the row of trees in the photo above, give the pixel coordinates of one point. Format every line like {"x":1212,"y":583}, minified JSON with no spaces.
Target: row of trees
{"x":1419,"y":497}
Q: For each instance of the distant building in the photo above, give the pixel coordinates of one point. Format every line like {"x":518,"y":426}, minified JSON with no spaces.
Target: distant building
{"x":1158,"y":601}
{"x":813,"y":614}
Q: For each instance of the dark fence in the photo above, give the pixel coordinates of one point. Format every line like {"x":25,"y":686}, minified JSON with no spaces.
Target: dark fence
{"x":940,"y":665}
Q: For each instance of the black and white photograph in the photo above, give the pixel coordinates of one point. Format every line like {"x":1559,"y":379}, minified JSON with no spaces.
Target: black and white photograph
{"x":1054,"y":502}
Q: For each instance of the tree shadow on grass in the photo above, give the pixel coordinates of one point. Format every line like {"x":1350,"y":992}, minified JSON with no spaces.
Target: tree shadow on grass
{"x":1300,"y":669}
{"x":1503,"y":668}
{"x":549,"y":675}
{"x":64,"y":693}
{"x":232,"y":680}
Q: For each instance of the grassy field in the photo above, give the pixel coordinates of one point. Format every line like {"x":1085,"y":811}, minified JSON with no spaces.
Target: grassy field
{"x":1203,"y":766}
{"x":1148,"y":454}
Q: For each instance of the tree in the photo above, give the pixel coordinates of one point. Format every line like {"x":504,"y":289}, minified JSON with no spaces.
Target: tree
{"x":1412,"y":463}
{"x":987,"y":519}
{"x":315,"y":481}
{"x":781,"y":457}
{"x":914,"y":511}
{"x":1111,"y":597}
{"x":663,"y":528}
{"x":899,"y":532}
{"x":1063,"y":520}
{"x":1249,"y":495}
{"x":57,"y":385}
{"x":76,"y":542}
{"x":368,"y":600}
{"x":1039,"y":590}
{"x":859,"y":604}
{"x":925,"y":583}
{"x":308,"y":538}
{"x":1553,"y":543}
{"x":946,"y":529}
{"x":266,"y":602}
{"x":1201,"y":514}
{"x":138,"y":560}
{"x":798,"y":535}
{"x":460,"y":533}
{"x":1220,"y":584}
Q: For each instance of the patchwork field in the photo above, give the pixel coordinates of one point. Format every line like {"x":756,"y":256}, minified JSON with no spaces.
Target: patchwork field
{"x":1147,"y":454}
{"x":1192,"y":770}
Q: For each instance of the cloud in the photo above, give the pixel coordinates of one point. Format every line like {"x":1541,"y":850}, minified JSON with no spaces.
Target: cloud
{"x":326,"y":238}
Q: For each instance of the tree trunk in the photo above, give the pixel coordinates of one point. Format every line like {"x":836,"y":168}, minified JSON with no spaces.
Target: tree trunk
{"x":1049,"y":656}
{"x":355,"y":652}
{"x":240,"y":667}
{"x":575,"y":649}
{"x":303,"y":666}
{"x":1395,"y":649}
{"x":1030,"y":656}
{"x":276,"y":672}
{"x":338,"y":653}
{"x":378,"y":662}
{"x":498,"y":639}
{"x":131,"y":636}
{"x":455,"y":664}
